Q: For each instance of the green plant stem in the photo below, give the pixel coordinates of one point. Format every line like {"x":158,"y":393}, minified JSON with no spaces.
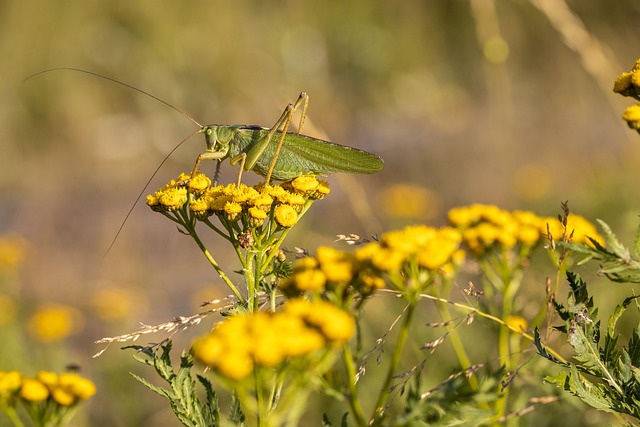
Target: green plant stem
{"x":354,"y":401}
{"x":213,"y":262}
{"x":13,"y":416}
{"x":454,"y":336}
{"x":385,"y":390}
{"x":458,"y":346}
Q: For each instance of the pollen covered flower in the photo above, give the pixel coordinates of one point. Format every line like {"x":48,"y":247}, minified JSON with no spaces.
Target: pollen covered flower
{"x":285,"y":215}
{"x":199,"y":184}
{"x":168,"y":199}
{"x":305,"y":184}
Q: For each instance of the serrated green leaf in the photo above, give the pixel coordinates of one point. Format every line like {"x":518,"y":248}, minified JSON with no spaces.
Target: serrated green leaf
{"x":159,"y":390}
{"x":612,"y":242}
{"x":592,"y":394}
{"x":213,"y":409}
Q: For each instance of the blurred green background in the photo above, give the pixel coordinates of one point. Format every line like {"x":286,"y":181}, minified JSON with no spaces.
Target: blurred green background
{"x":505,"y":102}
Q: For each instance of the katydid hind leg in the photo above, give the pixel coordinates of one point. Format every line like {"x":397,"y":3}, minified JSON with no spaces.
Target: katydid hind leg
{"x":287,"y":115}
{"x":254,"y":154}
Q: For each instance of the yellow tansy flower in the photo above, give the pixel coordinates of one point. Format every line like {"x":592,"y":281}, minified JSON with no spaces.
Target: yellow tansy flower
{"x":232,"y":209}
{"x":9,"y":382}
{"x":173,"y":198}
{"x":55,"y":322}
{"x":33,"y":390}
{"x":285,"y":215}
{"x":236,"y":365}
{"x":305,"y":183}
{"x":632,"y":116}
{"x":310,"y":280}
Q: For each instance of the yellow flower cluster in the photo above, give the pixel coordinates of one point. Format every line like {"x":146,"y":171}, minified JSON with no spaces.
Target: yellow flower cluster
{"x":252,"y":205}
{"x":429,"y":248}
{"x":487,"y":227}
{"x":628,"y":84}
{"x":239,"y":344}
{"x":64,"y":389}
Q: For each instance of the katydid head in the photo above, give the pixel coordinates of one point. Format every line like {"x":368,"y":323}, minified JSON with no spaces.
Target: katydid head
{"x":217,"y":138}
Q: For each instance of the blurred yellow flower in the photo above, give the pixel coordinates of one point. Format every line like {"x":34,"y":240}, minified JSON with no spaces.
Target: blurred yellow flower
{"x":9,"y":382}
{"x":55,"y":322}
{"x":115,"y":303}
{"x":409,"y":201}
{"x":240,"y":343}
{"x":13,"y":251}
{"x":517,"y":323}
{"x":75,"y":385}
{"x":33,"y":390}
{"x":487,"y":227}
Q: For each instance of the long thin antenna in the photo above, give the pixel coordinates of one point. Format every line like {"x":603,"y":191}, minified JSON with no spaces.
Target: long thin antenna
{"x":133,"y":205}
{"x":91,"y":73}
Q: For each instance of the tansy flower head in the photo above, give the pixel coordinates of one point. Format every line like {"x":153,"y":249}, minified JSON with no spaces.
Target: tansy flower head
{"x":199,"y":183}
{"x":305,"y":184}
{"x":33,"y":390}
{"x":9,"y":383}
{"x":632,"y":116}
{"x":286,"y":215}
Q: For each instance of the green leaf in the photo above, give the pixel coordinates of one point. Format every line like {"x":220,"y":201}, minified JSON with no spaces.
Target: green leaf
{"x":181,"y":392}
{"x":592,"y":394}
{"x":612,"y":242}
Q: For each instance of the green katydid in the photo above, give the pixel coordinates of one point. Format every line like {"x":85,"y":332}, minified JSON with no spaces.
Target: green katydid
{"x":275,"y":153}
